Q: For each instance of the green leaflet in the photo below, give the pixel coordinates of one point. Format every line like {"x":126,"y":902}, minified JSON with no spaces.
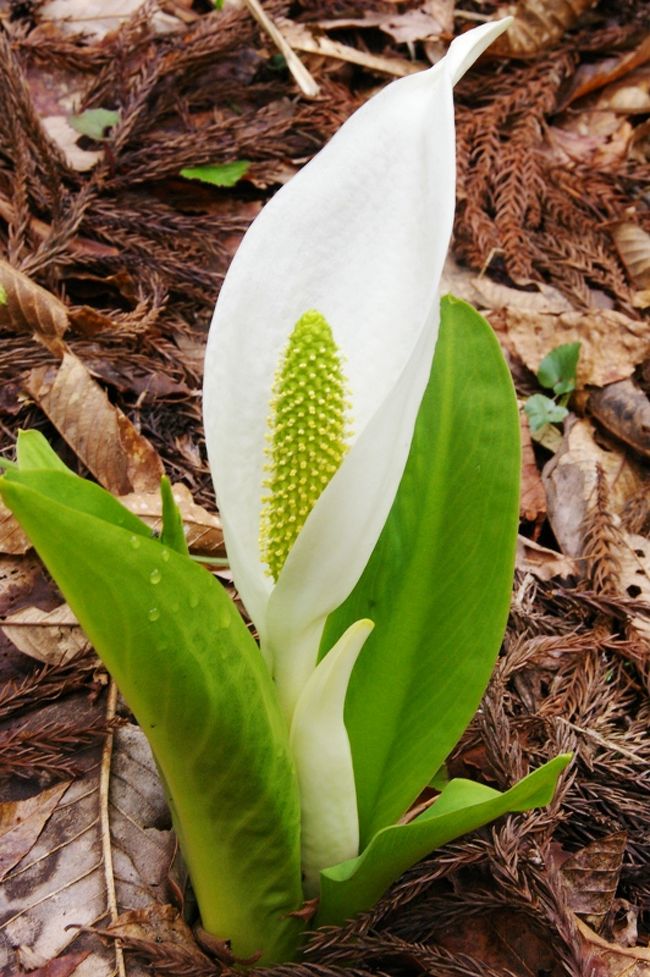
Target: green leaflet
{"x":438,"y":582}
{"x":463,"y":806}
{"x":196,"y":682}
{"x":173,"y":532}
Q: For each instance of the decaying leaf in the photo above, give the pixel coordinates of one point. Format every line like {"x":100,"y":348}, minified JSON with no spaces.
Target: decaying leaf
{"x":12,"y":538}
{"x":630,"y":95}
{"x":544,"y":563}
{"x":302,"y":39}
{"x":160,"y":936}
{"x":202,"y":528}
{"x":120,"y":458}
{"x":612,"y":344}
{"x":538,"y":24}
{"x":532,"y":505}
{"x":615,"y":960}
{"x":19,"y":580}
{"x":53,"y":637}
{"x":634,"y":558}
{"x":624,"y":410}
{"x":59,"y":885}
{"x":97,"y":18}
{"x":633,"y":245}
{"x":570,"y":480}
{"x":592,"y":875}
{"x":32,"y":309}
{"x":59,"y":129}
{"x":21,"y":822}
{"x":591,"y":76}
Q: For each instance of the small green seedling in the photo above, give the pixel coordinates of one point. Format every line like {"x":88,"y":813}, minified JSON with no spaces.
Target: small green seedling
{"x":557,"y":372}
{"x":218,"y":174}
{"x":94,"y":123}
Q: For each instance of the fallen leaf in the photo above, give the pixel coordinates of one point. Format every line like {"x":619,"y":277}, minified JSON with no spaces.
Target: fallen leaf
{"x":591,"y":76}
{"x":617,"y":961}
{"x":630,"y":96}
{"x":12,"y":538}
{"x":538,"y":24}
{"x":49,"y":636}
{"x":97,"y":18}
{"x":161,"y":936}
{"x":543,"y":562}
{"x":20,"y":578}
{"x":69,"y":965}
{"x":21,"y":822}
{"x":593,"y":137}
{"x":120,"y":458}
{"x":218,"y":174}
{"x":624,"y":410}
{"x":570,"y":482}
{"x":64,"y":135}
{"x":612,"y":345}
{"x":591,"y":876}
{"x":532,"y":504}
{"x":59,"y":886}
{"x":634,"y":559}
{"x":301,"y":39}
{"x":545,"y":298}
{"x":32,"y":309}
{"x":633,"y":245}
{"x":202,"y":528}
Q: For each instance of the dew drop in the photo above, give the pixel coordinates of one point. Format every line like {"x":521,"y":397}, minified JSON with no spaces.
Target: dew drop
{"x":135,"y":542}
{"x":155,"y":576}
{"x":165,"y":556}
{"x":193,"y":600}
{"x":153,"y":614}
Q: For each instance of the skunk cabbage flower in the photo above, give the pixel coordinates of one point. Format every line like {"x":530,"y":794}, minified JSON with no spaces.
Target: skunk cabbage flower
{"x":339,"y":271}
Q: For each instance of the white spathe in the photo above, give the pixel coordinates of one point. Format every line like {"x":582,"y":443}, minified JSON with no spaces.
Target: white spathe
{"x":321,"y":752}
{"x":360,"y":234}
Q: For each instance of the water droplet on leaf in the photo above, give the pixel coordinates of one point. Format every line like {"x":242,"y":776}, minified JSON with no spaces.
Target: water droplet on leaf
{"x":155,"y":576}
{"x":135,"y":542}
{"x":153,"y":614}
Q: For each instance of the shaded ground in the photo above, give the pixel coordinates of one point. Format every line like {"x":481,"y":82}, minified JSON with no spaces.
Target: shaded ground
{"x":553,"y":143}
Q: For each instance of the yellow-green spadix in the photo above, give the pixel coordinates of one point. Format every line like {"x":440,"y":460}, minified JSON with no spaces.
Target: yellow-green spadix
{"x":360,"y":236}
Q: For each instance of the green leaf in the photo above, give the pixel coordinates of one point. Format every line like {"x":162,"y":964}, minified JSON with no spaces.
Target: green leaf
{"x":195,"y":680}
{"x":34,"y":452}
{"x":219,"y":174}
{"x":173,"y":531}
{"x":94,"y":122}
{"x":557,"y":371}
{"x":438,"y":583}
{"x":463,"y":806}
{"x":541,"y":410}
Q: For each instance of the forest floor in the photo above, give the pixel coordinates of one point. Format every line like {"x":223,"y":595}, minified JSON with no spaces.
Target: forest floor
{"x":112,"y":264}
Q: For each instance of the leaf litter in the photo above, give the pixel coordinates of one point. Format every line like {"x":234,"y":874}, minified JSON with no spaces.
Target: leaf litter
{"x":110,"y":274}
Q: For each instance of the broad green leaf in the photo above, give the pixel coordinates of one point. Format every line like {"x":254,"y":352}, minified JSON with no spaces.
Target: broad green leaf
{"x":94,"y":122}
{"x":34,"y":452}
{"x":219,"y":174}
{"x":541,"y":410}
{"x":194,"y":678}
{"x":438,"y":583}
{"x":173,"y":531}
{"x":557,"y":371}
{"x":463,"y":806}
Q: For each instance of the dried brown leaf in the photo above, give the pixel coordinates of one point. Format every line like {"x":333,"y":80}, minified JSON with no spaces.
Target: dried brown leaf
{"x":633,"y":244}
{"x":31,"y":308}
{"x":592,"y":876}
{"x":21,"y":822}
{"x":624,"y":410}
{"x":53,"y":637}
{"x":591,"y":76}
{"x":532,"y":503}
{"x":61,"y":132}
{"x":59,"y":886}
{"x":302,"y":39}
{"x":99,"y":433}
{"x":538,"y":24}
{"x":98,"y":18}
{"x":12,"y":538}
{"x":160,"y":935}
{"x":611,"y":344}
{"x":544,"y":563}
{"x":570,"y":480}
{"x":634,"y":557}
{"x":630,"y":96}
{"x":68,"y":965}
{"x":202,"y":528}
{"x":617,"y":961}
